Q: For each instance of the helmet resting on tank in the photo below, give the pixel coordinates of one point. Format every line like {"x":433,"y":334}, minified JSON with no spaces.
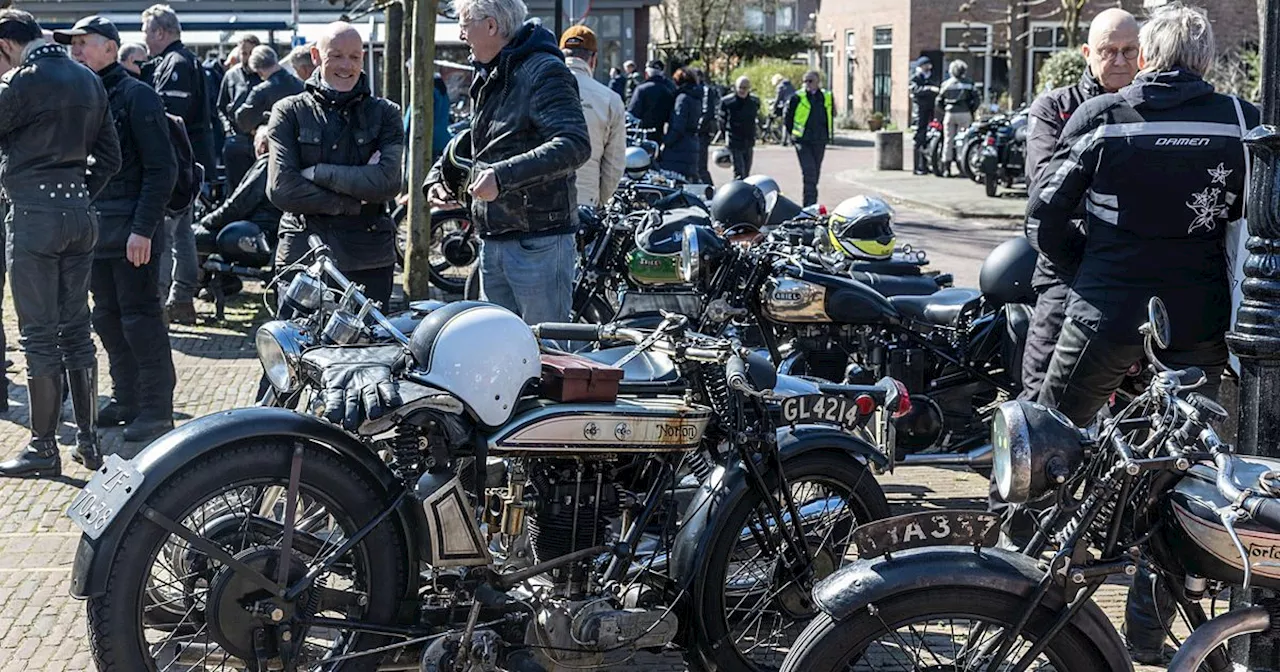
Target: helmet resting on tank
{"x":862,"y":228}
{"x":738,"y":202}
{"x":767,"y":184}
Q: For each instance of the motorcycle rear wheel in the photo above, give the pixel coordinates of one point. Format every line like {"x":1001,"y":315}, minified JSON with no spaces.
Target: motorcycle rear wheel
{"x":991,"y":183}
{"x":743,"y":632}
{"x":167,"y":604}
{"x":972,"y":163}
{"x":928,"y":620}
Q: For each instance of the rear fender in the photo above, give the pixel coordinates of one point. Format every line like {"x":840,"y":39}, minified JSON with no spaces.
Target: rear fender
{"x":729,"y":485}
{"x":865,"y":582}
{"x":168,"y":454}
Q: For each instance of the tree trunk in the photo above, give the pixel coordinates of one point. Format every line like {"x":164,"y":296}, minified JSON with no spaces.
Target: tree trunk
{"x":393,"y":66}
{"x":423,"y":49}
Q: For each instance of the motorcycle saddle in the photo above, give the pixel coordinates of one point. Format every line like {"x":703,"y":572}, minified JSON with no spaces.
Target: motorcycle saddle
{"x":940,"y":308}
{"x":647,"y":367}
{"x":897,"y":285}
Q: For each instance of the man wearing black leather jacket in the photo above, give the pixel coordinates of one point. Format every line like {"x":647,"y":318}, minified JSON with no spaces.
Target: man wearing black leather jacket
{"x":528,"y":137}
{"x":248,"y":203}
{"x":924,"y":95}
{"x":237,"y":147}
{"x":276,"y":85}
{"x":335,"y":156}
{"x":1160,"y":170}
{"x":125,"y":279}
{"x":54,"y":116}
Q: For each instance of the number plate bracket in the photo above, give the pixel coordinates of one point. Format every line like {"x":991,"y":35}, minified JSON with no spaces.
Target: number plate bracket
{"x":104,"y":495}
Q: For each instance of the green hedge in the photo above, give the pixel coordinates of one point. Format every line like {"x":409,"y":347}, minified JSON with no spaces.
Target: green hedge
{"x":761,"y":72}
{"x":1061,"y":69}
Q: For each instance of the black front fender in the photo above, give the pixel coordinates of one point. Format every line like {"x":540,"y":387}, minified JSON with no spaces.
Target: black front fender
{"x":856,"y":585}
{"x":705,"y":517}
{"x":165,"y":456}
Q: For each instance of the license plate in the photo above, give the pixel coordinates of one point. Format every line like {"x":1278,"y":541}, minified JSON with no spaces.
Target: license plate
{"x":104,"y":495}
{"x":820,"y":408}
{"x":944,"y":527}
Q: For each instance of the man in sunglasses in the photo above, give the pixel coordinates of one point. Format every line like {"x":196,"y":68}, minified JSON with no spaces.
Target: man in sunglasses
{"x":809,"y":118}
{"x":132,"y":56}
{"x":54,"y":116}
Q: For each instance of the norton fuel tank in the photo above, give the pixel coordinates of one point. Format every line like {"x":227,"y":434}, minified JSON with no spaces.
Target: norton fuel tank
{"x":1202,"y":544}
{"x":819,"y":297}
{"x":628,"y":425}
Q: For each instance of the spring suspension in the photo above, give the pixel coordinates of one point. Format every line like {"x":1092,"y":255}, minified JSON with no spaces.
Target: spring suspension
{"x":699,"y":465}
{"x":407,"y":455}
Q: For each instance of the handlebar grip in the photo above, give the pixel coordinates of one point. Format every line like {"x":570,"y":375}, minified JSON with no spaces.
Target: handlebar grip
{"x":735,"y":371}
{"x":1268,"y":512}
{"x":567,"y":331}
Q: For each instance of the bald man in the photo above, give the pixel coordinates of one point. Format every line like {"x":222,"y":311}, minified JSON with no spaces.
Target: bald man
{"x":335,"y":164}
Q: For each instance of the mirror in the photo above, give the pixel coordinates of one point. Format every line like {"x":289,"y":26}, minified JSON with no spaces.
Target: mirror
{"x":1158,"y":318}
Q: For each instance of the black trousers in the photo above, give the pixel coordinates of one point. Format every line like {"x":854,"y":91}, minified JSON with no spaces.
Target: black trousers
{"x":704,"y":148}
{"x":920,"y":142}
{"x":741,"y":162}
{"x":1087,"y":368}
{"x":237,"y":156}
{"x":52,"y":258}
{"x":810,"y":155}
{"x":128,"y":317}
{"x":202,"y":143}
{"x":1042,"y":336}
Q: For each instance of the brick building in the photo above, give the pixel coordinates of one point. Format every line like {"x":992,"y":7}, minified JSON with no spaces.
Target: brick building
{"x":866,"y":47}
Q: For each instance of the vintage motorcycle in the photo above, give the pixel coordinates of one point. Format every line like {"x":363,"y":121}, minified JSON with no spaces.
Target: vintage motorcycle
{"x":1154,"y":487}
{"x":1004,"y":154}
{"x":473,"y":516}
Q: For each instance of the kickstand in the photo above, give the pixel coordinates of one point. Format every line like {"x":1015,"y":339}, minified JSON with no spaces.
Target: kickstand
{"x":219,"y":297}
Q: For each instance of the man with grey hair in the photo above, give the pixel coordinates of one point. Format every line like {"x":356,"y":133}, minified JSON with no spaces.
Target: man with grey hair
{"x":527,"y":139}
{"x":738,"y":112}
{"x":1159,"y":169}
{"x":276,"y":85}
{"x":957,"y":101}
{"x":132,"y":55}
{"x":299,"y":61}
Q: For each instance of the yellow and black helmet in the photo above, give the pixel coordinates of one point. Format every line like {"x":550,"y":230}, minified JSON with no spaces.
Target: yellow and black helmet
{"x":862,"y":228}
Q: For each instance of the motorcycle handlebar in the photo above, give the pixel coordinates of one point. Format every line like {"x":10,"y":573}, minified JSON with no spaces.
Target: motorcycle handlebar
{"x":1265,"y":510}
{"x":317,"y":244}
{"x":567,"y":331}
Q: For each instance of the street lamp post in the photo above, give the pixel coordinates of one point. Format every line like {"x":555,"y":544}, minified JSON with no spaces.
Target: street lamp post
{"x":1256,"y":337}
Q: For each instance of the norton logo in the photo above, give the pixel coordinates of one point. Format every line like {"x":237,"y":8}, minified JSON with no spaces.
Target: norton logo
{"x":1182,"y":142}
{"x":788,"y":295}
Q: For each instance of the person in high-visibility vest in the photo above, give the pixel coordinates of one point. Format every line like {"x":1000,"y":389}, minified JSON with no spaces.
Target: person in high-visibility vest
{"x":809,"y":117}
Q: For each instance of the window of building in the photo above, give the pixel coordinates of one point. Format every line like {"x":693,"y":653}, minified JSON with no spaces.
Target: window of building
{"x":828,"y":63}
{"x":753,"y":19}
{"x":970,"y":43}
{"x":1046,"y":39}
{"x":785,"y":17}
{"x":850,"y":60}
{"x":608,"y":29}
{"x":882,"y":70}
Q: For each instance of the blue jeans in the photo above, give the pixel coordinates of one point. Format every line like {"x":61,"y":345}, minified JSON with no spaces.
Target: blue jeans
{"x":179,"y":266}
{"x":531,"y":277}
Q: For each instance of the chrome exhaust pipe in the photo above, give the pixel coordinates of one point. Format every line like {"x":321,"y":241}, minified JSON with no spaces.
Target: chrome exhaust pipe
{"x":978,"y":457}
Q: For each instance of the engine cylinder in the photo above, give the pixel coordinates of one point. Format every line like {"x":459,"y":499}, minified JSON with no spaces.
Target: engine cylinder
{"x":573,"y":509}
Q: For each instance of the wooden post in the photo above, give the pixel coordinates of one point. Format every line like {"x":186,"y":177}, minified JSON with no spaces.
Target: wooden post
{"x":423,"y":52}
{"x":393,"y":64}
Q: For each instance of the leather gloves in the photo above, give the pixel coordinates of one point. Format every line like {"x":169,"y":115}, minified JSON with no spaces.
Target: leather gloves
{"x":359,"y":390}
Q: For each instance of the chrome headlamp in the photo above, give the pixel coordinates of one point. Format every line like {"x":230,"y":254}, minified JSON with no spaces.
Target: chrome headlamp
{"x":690,"y":255}
{"x":280,"y":345}
{"x":1035,"y":449}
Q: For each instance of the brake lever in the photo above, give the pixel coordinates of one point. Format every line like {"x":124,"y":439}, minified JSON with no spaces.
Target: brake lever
{"x":1229,"y":514}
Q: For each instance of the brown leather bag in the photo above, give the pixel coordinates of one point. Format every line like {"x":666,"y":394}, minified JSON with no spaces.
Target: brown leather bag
{"x":572,"y":378}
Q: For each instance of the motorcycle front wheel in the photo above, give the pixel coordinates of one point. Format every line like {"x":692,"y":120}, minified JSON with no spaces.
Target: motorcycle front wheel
{"x":752,"y":606}
{"x":973,"y":160}
{"x":170,"y":606}
{"x":939,"y":630}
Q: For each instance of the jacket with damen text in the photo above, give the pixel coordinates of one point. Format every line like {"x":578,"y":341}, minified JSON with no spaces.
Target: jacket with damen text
{"x":1160,"y":169}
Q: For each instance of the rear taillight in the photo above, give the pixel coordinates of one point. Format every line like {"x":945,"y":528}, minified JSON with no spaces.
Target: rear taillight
{"x":991,"y":140}
{"x":904,"y":400}
{"x":866,"y":405}
{"x":822,"y":210}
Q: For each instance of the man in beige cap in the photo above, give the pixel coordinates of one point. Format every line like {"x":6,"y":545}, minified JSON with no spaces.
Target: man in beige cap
{"x":605,"y":115}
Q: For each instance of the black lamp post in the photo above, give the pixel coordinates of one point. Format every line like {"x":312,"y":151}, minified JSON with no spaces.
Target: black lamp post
{"x":1256,"y":338}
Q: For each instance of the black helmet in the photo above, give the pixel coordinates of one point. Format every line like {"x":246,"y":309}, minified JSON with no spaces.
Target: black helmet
{"x":455,"y":164}
{"x":244,"y":243}
{"x":1005,"y":276}
{"x":739,"y":203}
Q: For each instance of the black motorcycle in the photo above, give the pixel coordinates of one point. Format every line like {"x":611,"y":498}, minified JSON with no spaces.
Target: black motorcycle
{"x":1154,"y":488}
{"x":1004,"y":156}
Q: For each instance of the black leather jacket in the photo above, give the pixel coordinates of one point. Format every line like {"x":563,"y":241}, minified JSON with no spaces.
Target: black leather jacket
{"x":345,"y":201}
{"x":134,"y":200}
{"x":529,"y":128}
{"x":232,"y":93}
{"x":256,"y":108}
{"x":738,"y":119}
{"x":177,"y":76}
{"x":248,"y":202}
{"x":53,"y":116}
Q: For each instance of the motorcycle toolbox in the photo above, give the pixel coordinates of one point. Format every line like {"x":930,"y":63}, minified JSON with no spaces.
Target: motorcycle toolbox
{"x":568,"y":378}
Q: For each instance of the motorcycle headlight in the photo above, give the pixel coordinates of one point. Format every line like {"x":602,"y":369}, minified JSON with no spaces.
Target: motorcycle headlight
{"x":1034,"y":449}
{"x":279,"y":346}
{"x":690,"y":255}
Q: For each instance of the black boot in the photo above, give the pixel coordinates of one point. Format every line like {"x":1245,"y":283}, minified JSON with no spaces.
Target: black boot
{"x":41,"y":457}
{"x":117,"y":413}
{"x":84,"y":400}
{"x":148,"y":427}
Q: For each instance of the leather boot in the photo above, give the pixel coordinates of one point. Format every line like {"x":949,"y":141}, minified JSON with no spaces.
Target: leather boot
{"x":117,"y":413}
{"x":84,"y":400}
{"x":41,"y":457}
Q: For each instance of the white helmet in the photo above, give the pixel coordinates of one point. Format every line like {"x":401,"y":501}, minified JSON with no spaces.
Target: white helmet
{"x":637,"y":162}
{"x":480,"y":353}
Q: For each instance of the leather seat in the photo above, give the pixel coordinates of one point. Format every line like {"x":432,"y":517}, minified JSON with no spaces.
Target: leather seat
{"x":647,"y":367}
{"x":940,"y":308}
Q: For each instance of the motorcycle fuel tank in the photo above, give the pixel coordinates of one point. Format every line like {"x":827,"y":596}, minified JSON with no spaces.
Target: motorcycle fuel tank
{"x":1202,"y":542}
{"x":646,"y":268}
{"x":794,"y":300}
{"x":628,"y":425}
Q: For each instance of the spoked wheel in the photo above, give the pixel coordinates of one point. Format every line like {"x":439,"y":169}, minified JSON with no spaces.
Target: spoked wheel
{"x":755,"y":603}
{"x":973,"y":160}
{"x":454,"y":250}
{"x":170,"y":606}
{"x":950,"y":630}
